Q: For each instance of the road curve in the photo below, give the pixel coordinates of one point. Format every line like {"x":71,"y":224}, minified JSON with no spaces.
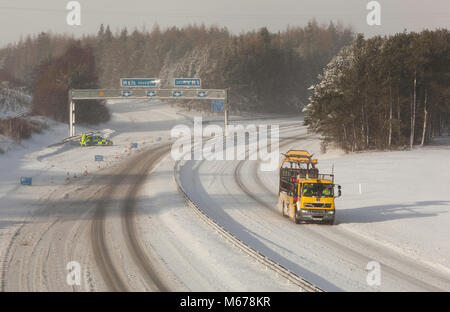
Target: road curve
{"x":90,"y":221}
{"x":328,"y":256}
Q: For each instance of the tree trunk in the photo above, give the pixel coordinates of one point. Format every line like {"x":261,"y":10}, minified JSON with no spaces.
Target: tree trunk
{"x":425,"y":118}
{"x":390,"y":115}
{"x":345,"y":139}
{"x":367,"y":120}
{"x":363,"y":132}
{"x":399,"y":120}
{"x":413,"y":112}
{"x":430,"y":125}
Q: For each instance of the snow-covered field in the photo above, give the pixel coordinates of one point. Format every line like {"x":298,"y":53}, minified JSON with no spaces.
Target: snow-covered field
{"x":400,"y":199}
{"x":397,"y":203}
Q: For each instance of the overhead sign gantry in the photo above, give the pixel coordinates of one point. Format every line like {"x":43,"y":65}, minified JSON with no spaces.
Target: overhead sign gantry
{"x":141,"y":88}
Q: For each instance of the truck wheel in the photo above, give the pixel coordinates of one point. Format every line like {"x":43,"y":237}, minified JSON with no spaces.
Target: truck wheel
{"x":297,"y":220}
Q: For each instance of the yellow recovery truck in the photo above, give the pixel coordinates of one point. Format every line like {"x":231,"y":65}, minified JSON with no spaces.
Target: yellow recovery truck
{"x":304,"y":194}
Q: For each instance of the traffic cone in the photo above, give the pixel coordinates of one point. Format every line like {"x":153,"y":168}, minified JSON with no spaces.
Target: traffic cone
{"x":143,"y":142}
{"x":67,"y":178}
{"x":85,"y":171}
{"x":117,"y":157}
{"x":98,"y":165}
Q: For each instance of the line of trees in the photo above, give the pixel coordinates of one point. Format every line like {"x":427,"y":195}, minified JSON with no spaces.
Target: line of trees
{"x":384,"y":92}
{"x":53,"y":79}
{"x":265,"y":71}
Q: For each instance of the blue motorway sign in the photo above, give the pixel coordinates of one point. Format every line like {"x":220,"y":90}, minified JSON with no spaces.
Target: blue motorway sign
{"x":151,"y":93}
{"x":98,"y":157}
{"x":134,"y":145}
{"x":217,"y":105}
{"x":25,"y":180}
{"x":187,"y":82}
{"x":139,"y":82}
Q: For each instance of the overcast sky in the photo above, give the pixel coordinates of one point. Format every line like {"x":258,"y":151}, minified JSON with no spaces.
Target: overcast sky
{"x":23,"y":17}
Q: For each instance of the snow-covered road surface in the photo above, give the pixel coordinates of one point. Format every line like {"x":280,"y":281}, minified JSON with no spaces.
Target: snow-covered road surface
{"x":242,"y":199}
{"x":113,"y":221}
{"x":133,"y":231}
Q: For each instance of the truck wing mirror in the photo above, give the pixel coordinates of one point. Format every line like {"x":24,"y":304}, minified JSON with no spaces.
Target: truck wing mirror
{"x":339,"y":191}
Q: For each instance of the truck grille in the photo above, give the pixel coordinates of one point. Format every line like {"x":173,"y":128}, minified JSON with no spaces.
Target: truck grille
{"x":318,"y":205}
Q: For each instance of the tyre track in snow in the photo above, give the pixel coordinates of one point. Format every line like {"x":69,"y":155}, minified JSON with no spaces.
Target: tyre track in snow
{"x":128,"y":220}
{"x":134,"y":174}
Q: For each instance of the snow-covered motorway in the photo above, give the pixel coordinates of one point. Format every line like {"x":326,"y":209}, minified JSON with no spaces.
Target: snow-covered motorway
{"x":242,"y":198}
{"x":129,"y":228}
{"x":125,"y":224}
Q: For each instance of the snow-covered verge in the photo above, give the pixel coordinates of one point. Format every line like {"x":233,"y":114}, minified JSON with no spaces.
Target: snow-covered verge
{"x":400,"y":199}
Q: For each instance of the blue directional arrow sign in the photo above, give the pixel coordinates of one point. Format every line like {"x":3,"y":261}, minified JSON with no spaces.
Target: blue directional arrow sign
{"x":126,"y":93}
{"x":202,"y":93}
{"x":187,"y":82}
{"x":139,"y":82}
{"x":177,"y":93}
{"x":151,"y":93}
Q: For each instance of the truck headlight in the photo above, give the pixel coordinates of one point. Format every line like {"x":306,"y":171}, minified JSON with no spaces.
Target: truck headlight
{"x":331,"y":212}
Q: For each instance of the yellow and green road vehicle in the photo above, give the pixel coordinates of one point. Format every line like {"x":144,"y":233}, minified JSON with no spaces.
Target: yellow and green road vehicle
{"x":91,"y":139}
{"x":304,"y":194}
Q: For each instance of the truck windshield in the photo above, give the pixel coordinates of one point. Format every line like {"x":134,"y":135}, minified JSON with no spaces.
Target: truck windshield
{"x":317,"y":189}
